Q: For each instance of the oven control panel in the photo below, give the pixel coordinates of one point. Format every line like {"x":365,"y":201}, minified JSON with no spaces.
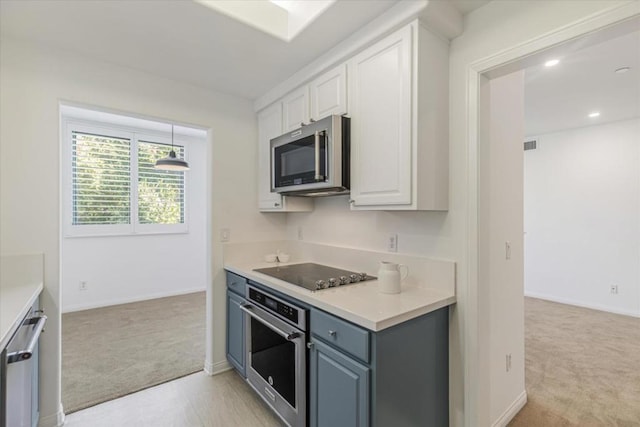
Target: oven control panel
{"x":275,"y":305}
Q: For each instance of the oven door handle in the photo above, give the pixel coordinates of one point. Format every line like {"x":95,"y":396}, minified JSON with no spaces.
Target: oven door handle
{"x":21,"y":355}
{"x":289,"y":336}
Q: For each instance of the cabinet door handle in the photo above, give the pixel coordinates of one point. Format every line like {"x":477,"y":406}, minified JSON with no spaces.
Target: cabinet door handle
{"x":332,"y":333}
{"x":276,"y":204}
{"x":310,"y":345}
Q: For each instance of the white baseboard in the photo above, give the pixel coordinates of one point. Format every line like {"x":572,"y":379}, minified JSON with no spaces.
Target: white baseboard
{"x":216,"y":368}
{"x":53,"y":420}
{"x":88,"y":306}
{"x":570,"y":301}
{"x":511,"y":411}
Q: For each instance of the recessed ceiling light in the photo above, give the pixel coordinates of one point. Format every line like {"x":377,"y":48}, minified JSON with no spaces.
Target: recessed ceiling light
{"x":552,"y":62}
{"x":594,"y":114}
{"x":623,"y":70}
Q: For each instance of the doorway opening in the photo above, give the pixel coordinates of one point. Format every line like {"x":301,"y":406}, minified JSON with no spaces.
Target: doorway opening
{"x":133,"y":254}
{"x":501,"y":167}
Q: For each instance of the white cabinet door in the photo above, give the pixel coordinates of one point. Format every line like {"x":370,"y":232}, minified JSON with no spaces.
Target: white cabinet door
{"x":269,"y":126}
{"x":329,"y":93}
{"x":295,"y":109}
{"x":381,"y":138}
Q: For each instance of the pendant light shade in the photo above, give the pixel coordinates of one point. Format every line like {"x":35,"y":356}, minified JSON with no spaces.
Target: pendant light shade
{"x":171,"y":162}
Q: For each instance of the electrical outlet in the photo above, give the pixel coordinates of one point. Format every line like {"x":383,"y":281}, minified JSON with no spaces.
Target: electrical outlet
{"x":508,"y":362}
{"x":83,"y":286}
{"x":392,"y":243}
{"x":225,"y":235}
{"x":300,"y":234}
{"x":614,"y":289}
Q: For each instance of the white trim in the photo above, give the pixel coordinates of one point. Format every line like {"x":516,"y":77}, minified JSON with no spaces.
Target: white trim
{"x":209,"y":268}
{"x":511,"y":411}
{"x":577,"y":303}
{"x":597,"y":21}
{"x":146,"y":297}
{"x":53,"y":420}
{"x":216,"y":368}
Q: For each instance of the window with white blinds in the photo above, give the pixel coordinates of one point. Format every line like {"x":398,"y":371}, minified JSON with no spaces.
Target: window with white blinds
{"x":114,"y":188}
{"x":101,"y":175}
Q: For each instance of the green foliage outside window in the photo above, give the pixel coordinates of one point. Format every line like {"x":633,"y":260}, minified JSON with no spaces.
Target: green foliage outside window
{"x":160,"y":193}
{"x":101,"y":180}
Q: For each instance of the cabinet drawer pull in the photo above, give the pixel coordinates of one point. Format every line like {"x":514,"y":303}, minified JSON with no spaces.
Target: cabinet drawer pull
{"x":332,"y":333}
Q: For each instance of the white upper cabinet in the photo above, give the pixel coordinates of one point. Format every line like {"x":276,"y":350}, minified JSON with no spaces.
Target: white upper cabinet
{"x":380,"y":101}
{"x":396,"y":93}
{"x":398,"y":103}
{"x":270,"y":126}
{"x":329,"y":93}
{"x":295,"y":109}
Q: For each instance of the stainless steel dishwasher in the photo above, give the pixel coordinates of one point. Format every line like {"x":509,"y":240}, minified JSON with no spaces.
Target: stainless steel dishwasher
{"x":19,"y":373}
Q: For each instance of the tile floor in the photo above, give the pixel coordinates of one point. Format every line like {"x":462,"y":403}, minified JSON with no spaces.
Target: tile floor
{"x":197,"y":400}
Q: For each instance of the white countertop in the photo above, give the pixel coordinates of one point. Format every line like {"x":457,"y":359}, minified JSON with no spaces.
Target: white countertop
{"x":21,"y":281}
{"x":360,"y":303}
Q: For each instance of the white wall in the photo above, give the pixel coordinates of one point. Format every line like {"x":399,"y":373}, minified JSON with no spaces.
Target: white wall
{"x":582,"y":217}
{"x":32,"y":82}
{"x":121,"y":269}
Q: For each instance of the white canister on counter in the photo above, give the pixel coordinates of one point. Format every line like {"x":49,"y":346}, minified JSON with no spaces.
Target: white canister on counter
{"x":389,"y":277}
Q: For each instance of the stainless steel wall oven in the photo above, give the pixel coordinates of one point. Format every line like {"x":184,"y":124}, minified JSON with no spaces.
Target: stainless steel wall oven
{"x":276,"y":356}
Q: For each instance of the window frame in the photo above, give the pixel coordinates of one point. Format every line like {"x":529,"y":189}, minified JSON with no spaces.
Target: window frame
{"x":134,"y":134}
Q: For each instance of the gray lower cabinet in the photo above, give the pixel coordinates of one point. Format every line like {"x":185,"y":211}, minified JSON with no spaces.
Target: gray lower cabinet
{"x":398,"y":376}
{"x":338,"y":389}
{"x":235,"y":332}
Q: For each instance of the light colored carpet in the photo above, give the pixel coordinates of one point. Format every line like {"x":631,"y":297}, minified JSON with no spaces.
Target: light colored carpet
{"x":113,"y":351}
{"x":582,"y":367}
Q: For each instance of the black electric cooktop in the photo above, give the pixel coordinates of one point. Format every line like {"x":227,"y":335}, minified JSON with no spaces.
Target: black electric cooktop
{"x":314,"y":276}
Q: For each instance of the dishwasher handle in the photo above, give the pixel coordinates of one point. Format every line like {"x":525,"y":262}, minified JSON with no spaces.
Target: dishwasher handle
{"x":22,"y":355}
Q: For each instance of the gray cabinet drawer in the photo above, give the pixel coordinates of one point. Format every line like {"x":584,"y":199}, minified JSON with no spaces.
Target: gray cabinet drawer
{"x":236,"y":283}
{"x":341,"y":334}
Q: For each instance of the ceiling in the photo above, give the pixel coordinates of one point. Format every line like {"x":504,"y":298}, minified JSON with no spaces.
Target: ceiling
{"x":561,"y":97}
{"x":187,"y":41}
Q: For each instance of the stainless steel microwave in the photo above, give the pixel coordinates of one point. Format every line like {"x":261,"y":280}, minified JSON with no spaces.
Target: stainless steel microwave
{"x":313,"y":160}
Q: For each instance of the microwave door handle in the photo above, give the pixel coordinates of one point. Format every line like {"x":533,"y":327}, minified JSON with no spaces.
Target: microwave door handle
{"x":318,"y":177}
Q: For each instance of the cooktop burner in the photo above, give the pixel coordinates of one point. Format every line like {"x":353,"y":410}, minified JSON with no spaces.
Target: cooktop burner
{"x":314,"y":276}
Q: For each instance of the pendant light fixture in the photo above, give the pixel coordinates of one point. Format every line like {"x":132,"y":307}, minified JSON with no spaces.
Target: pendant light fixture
{"x":171,"y":162}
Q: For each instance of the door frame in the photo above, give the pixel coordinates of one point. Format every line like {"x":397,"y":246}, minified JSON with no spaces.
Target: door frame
{"x":503,"y":62}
